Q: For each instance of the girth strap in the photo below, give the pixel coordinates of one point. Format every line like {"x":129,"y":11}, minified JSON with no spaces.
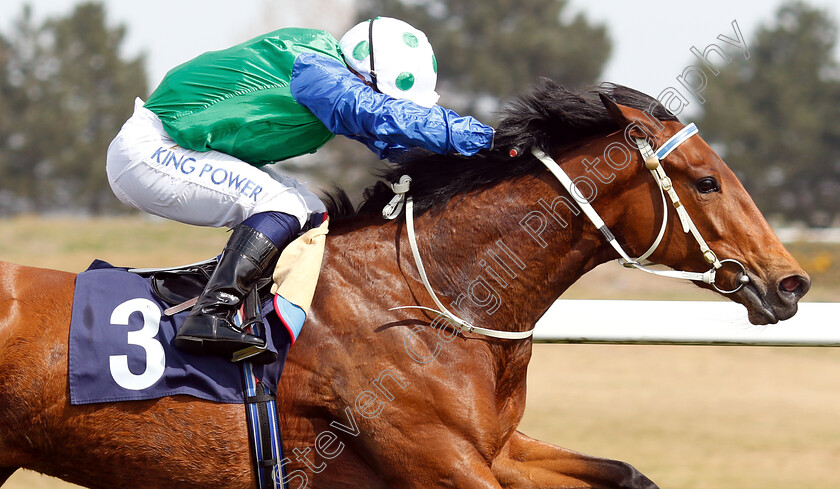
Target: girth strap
{"x":261,"y":408}
{"x":264,"y":431}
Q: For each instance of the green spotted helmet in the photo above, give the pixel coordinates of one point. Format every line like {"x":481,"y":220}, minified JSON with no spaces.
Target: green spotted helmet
{"x":395,"y":57}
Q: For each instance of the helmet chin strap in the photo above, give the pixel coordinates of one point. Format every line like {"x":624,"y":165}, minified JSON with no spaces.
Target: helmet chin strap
{"x":370,"y":45}
{"x":653,"y":164}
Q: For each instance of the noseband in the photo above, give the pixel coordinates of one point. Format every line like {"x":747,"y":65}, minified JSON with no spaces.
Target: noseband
{"x":653,"y":162}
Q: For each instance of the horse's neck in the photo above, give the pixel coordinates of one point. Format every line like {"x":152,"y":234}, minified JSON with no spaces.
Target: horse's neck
{"x":486,"y":255}
{"x":501,"y":256}
{"x":483,"y":263}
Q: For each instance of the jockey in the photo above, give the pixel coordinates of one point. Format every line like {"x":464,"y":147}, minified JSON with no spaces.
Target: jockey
{"x":192,"y":152}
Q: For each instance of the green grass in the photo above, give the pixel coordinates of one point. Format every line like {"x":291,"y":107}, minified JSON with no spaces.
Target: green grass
{"x":71,"y":244}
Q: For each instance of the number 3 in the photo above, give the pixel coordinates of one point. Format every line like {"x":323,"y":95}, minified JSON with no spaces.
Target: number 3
{"x":145,"y":338}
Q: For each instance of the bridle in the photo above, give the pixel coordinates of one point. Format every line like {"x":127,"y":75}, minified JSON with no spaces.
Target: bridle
{"x":653,"y":162}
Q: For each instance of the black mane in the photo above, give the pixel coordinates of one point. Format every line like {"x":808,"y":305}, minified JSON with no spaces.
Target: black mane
{"x":549,"y":116}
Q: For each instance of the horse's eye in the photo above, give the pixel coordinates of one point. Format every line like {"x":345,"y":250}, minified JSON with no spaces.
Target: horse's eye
{"x":707,"y":185}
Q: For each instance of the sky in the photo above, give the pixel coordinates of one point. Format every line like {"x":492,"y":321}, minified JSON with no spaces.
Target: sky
{"x":652,"y":39}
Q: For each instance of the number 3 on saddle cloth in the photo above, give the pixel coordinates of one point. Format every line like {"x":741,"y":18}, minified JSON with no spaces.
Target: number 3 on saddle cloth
{"x":121,"y":345}
{"x":121,"y":340}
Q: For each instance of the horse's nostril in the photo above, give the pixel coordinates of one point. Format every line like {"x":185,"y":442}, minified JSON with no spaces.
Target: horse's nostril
{"x":794,"y":285}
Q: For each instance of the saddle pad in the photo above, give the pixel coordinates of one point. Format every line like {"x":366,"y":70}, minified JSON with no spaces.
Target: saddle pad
{"x":121,"y":346}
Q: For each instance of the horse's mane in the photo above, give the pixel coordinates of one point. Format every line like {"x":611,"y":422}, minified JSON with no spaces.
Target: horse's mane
{"x":549,"y":116}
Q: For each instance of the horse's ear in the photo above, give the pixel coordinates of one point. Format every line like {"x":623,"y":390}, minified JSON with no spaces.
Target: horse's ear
{"x":638,"y":120}
{"x":613,"y":109}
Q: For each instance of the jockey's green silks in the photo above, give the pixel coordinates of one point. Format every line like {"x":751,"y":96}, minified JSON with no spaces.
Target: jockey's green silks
{"x":238,"y":100}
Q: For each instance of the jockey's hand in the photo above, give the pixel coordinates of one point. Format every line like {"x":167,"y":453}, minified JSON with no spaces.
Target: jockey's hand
{"x":511,"y":151}
{"x":507,"y":146}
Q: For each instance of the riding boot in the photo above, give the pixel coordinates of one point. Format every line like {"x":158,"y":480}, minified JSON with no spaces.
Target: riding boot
{"x":209,"y":329}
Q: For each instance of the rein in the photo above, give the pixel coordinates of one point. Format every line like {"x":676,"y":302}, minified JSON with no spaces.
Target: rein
{"x":652,"y":163}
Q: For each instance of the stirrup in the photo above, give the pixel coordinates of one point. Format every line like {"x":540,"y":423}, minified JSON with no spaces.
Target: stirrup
{"x":255,"y":354}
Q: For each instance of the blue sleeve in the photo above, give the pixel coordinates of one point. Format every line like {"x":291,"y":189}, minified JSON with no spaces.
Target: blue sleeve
{"x":349,"y":107}
{"x":382,"y":149}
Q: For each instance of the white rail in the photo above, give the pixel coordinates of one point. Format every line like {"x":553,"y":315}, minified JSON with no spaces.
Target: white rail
{"x":680,"y":322}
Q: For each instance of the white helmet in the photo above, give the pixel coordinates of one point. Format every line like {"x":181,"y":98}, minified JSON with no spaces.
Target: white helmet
{"x":400,"y":57}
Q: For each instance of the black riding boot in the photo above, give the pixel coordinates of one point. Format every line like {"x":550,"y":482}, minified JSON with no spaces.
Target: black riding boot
{"x":209,"y":328}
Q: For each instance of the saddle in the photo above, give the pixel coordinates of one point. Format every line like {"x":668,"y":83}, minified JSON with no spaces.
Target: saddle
{"x":179,"y":287}
{"x":285,"y":295}
{"x":292,"y":280}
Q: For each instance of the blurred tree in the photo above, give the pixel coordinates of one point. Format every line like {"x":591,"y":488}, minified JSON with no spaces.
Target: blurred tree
{"x":19,"y":157}
{"x":491,"y":49}
{"x":776,"y":117}
{"x":66,"y":91}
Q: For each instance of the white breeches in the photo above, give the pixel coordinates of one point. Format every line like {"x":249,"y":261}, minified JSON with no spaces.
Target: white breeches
{"x":149,"y":171}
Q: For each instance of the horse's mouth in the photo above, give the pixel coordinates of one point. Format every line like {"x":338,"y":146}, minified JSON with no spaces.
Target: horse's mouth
{"x":757,"y":310}
{"x":767,"y":305}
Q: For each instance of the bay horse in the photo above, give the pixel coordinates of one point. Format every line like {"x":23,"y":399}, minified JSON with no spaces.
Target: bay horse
{"x":378,"y":398}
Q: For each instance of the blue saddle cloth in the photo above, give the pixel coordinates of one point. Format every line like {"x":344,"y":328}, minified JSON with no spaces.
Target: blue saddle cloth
{"x":121,"y":346}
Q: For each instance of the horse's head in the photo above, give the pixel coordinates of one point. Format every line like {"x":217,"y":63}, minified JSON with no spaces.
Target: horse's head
{"x":518,"y":199}
{"x":723,"y":213}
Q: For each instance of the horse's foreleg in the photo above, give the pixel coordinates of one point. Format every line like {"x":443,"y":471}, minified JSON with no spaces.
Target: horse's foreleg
{"x":529,"y":463}
{"x":5,"y":473}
